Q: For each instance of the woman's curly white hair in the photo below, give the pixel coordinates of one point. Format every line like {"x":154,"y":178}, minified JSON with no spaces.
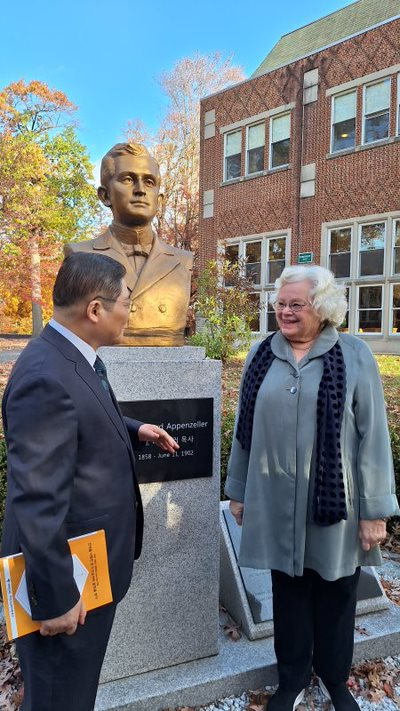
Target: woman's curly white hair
{"x":326,"y":295}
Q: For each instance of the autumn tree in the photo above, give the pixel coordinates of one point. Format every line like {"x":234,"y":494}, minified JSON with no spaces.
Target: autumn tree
{"x":45,"y":184}
{"x":176,"y":144}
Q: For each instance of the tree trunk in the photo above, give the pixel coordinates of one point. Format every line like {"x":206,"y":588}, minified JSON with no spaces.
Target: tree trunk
{"x":36,"y":287}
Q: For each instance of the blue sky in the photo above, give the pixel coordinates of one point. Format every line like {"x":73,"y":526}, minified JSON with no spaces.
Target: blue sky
{"x":106,"y":56}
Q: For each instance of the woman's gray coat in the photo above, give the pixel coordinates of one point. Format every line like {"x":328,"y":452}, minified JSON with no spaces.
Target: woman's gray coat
{"x":273,"y":479}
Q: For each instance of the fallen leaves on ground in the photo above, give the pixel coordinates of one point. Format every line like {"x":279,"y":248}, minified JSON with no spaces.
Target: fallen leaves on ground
{"x":392,"y":590}
{"x":258,"y":700}
{"x":11,"y":688}
{"x":374,"y":680}
{"x":230,"y":627}
{"x":361,"y":630}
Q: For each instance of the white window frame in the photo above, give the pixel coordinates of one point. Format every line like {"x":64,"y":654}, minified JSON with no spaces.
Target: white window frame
{"x":270,"y":144}
{"x":358,"y":275}
{"x":381,"y":309}
{"x":260,"y":312}
{"x":255,"y":172}
{"x":336,"y":96}
{"x":392,"y":271}
{"x":225,"y":156}
{"x":391,"y":334}
{"x":364,"y":115}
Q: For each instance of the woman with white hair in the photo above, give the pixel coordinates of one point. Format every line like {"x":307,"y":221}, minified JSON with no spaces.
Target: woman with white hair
{"x":310,"y":478}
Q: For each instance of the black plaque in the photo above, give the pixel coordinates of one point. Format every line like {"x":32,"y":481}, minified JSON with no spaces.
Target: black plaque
{"x":190,"y":423}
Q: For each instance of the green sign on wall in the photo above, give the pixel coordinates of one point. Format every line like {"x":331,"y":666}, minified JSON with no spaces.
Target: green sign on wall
{"x":305,"y":258}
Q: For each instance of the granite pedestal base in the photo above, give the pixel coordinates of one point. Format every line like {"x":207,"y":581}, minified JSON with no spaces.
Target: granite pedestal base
{"x":170,"y":614}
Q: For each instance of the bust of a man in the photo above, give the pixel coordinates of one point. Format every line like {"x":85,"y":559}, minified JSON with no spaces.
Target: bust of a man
{"x":157,"y":274}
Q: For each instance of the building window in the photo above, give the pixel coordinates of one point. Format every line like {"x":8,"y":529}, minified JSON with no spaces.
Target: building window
{"x":233,"y":157}
{"x":396,"y":309}
{"x":272,"y":324}
{"x":255,"y":321}
{"x":344,"y":326}
{"x":255,"y":148}
{"x":340,"y":252}
{"x":344,"y":121}
{"x":276,"y":255}
{"x":376,"y":111}
{"x":280,"y":140}
{"x":372,"y":249}
{"x":370,"y":309}
{"x":232,"y":255}
{"x":396,"y":247}
{"x":253,"y":261}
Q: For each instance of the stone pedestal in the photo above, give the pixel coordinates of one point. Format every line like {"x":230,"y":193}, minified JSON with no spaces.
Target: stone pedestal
{"x":170,"y":614}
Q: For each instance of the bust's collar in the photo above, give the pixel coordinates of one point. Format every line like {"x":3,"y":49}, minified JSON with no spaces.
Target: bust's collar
{"x":129,"y":235}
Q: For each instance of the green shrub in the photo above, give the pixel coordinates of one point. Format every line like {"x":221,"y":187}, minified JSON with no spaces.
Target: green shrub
{"x":227,"y":426}
{"x":3,"y":481}
{"x":226,"y":302}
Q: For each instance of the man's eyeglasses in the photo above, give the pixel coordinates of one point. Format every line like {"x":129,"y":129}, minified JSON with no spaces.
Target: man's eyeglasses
{"x":124,"y":302}
{"x":292,"y":305}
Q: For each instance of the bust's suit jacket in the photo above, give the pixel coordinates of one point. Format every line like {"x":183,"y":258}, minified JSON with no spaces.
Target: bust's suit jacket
{"x":161,"y":293}
{"x":70,"y":471}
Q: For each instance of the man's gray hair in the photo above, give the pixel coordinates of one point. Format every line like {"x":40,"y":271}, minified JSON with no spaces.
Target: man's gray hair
{"x":327,"y":296}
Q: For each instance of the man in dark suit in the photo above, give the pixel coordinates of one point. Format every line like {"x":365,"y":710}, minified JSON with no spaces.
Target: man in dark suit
{"x":157,"y":273}
{"x":70,"y":472}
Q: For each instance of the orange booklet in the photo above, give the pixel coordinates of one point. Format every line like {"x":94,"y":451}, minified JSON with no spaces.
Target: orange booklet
{"x":90,"y":561}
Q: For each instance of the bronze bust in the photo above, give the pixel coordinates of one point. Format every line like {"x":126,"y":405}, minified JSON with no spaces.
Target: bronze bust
{"x":157,"y":274}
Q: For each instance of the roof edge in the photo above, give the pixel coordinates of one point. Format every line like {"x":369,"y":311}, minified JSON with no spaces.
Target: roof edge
{"x":304,"y":56}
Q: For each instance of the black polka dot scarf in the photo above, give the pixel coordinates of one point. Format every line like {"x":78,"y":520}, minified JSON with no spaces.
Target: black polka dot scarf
{"x":329,"y":500}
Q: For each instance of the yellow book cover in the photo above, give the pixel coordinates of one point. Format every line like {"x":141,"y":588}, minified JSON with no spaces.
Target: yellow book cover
{"x":90,"y":561}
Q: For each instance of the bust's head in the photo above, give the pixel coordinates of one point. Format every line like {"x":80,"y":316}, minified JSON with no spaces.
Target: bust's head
{"x":130,"y":184}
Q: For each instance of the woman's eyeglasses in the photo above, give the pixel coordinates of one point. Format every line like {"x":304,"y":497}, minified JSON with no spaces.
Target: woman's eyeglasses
{"x":292,"y":305}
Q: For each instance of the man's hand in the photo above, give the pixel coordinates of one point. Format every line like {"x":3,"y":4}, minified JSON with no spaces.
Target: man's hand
{"x":65,"y":623}
{"x":236,"y":508}
{"x":372,"y":533}
{"x":152,"y":433}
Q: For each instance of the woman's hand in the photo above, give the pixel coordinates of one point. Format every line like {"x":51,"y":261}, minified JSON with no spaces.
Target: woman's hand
{"x":372,"y":533}
{"x":236,"y":509}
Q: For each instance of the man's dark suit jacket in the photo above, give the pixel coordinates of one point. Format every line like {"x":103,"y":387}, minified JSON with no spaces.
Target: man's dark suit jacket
{"x":70,"y":471}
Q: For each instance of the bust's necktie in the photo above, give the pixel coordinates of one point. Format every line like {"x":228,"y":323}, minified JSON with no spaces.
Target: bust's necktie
{"x":101,"y":371}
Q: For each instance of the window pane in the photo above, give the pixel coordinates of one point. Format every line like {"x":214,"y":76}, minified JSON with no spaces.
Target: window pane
{"x":370,"y":297}
{"x":344,"y":107}
{"x":272,"y":324}
{"x":371,"y":263}
{"x":396,"y":309}
{"x":253,"y":261}
{"x":341,"y":240}
{"x":396,"y":267}
{"x":280,"y":153}
{"x":255,"y":322}
{"x":344,"y":135}
{"x":340,"y":265}
{"x":276,"y":248}
{"x":280,"y":128}
{"x":255,"y":160}
{"x":396,"y":296}
{"x":275,"y":269}
{"x":373,"y":236}
{"x":396,"y":321}
{"x":397,"y":233}
{"x":339,"y":261}
{"x":232,"y":253}
{"x":370,"y":322}
{"x":233,"y":143}
{"x":256,"y":136}
{"x":377,"y":97}
{"x":233,"y":167}
{"x":376,"y":127}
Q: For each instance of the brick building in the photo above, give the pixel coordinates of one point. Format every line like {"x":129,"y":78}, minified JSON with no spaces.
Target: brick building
{"x":304,"y":157}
